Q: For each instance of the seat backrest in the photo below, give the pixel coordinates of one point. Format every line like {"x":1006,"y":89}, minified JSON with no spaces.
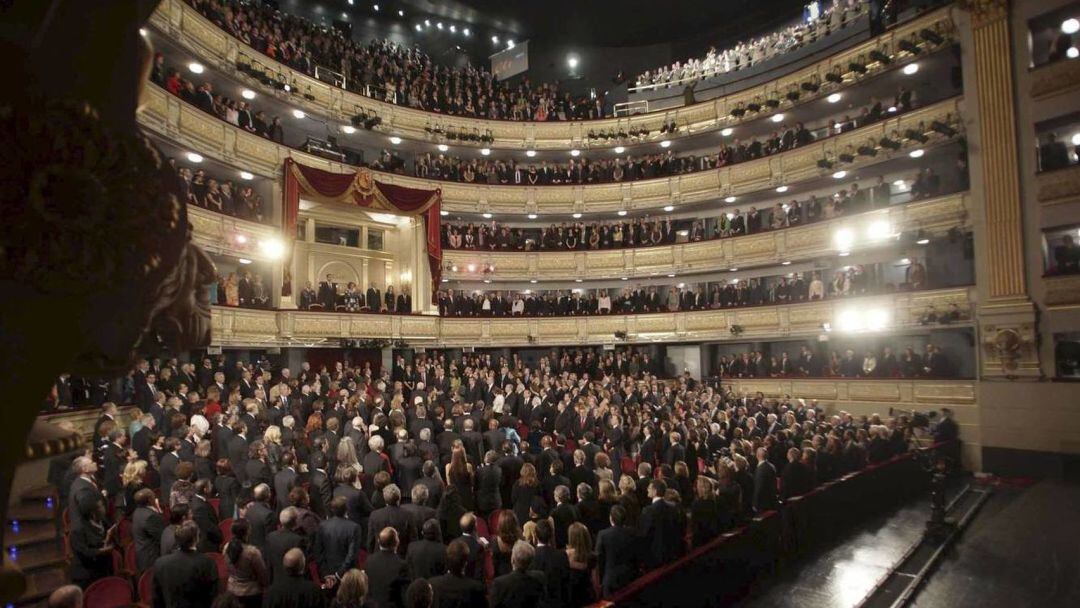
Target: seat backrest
{"x":131,"y":563}
{"x":123,"y":531}
{"x":225,"y":526}
{"x":108,"y":592}
{"x":222,"y":567}
{"x":216,"y":503}
{"x":482,"y":527}
{"x":146,"y":588}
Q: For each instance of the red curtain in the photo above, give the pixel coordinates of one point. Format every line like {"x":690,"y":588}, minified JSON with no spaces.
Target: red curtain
{"x":361,"y":189}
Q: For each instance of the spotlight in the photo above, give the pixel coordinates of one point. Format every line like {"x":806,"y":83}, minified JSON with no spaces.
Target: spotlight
{"x":439,"y":25}
{"x":730,"y":199}
{"x":247,"y":94}
{"x":485,"y":151}
{"x":196,"y":68}
{"x":835,"y":97}
{"x":923,"y":241}
{"x":619,"y":149}
{"x":400,"y":13}
{"x":143,"y":32}
{"x":1072,"y":52}
{"x":240,"y":239}
{"x":418,"y":28}
{"x":375,"y":7}
{"x":666,"y":143}
{"x":394,"y":139}
{"x":487,"y":216}
{"x":453,"y":29}
{"x":466,"y":32}
{"x":572,"y":62}
{"x":272,"y":248}
{"x":917,"y":153}
{"x":841,"y":174}
{"x":577,"y":280}
{"x":298,"y":113}
{"x":530,"y":153}
{"x":727,"y":132}
{"x":734,"y":269}
{"x":575,"y":152}
{"x":348,"y":129}
{"x":247,"y":175}
{"x":443,"y":147}
{"x":194,"y":157}
{"x":444,"y":212}
{"x":786,"y":263}
{"x":781,"y":189}
{"x":1070,"y":26}
{"x":494,"y":40}
{"x":532,"y":216}
{"x":576,"y":216}
{"x":244,"y":261}
{"x":669,"y":208}
{"x":911,"y":68}
{"x":777,"y":118}
{"x":621,"y":212}
{"x":427,"y":22}
{"x":509,"y":43}
{"x":533,"y":281}
{"x":487,"y":280}
{"x":625,"y":278}
{"x":843,"y":239}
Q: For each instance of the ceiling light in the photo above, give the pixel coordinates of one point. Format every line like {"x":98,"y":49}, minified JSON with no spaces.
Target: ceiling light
{"x":193,"y":157}
{"x":626,"y":278}
{"x":669,"y":208}
{"x":843,"y":239}
{"x":444,"y":212}
{"x":510,"y":43}
{"x":777,"y":118}
{"x":841,"y":174}
{"x":400,"y":13}
{"x":247,"y":175}
{"x":394,"y":139}
{"x":143,"y":32}
{"x":446,"y":280}
{"x":905,"y":260}
{"x":727,"y":131}
{"x":1070,"y":26}
{"x":619,"y":150}
{"x":196,"y":68}
{"x":240,"y":239}
{"x":781,"y":189}
{"x":487,"y":280}
{"x":443,"y":147}
{"x":922,"y":242}
{"x":487,"y":216}
{"x":730,"y":199}
{"x":272,"y":248}
{"x":835,"y":97}
{"x":576,"y":216}
{"x":418,"y":28}
{"x":575,"y":152}
{"x":621,"y":212}
{"x":533,"y":281}
{"x":671,"y":276}
{"x":734,"y":269}
{"x":532,"y":216}
{"x":530,"y":153}
{"x":665,"y":143}
{"x":244,"y":261}
{"x":375,"y":7}
{"x":298,"y":113}
{"x":247,"y":94}
{"x":439,"y":25}
{"x":572,"y":62}
{"x":348,"y":129}
{"x":786,"y":263}
{"x":494,"y":40}
{"x":911,"y":68}
{"x":577,"y":280}
{"x":899,"y":183}
{"x":1072,"y":52}
{"x":453,"y":29}
{"x":917,"y":153}
{"x":485,"y":151}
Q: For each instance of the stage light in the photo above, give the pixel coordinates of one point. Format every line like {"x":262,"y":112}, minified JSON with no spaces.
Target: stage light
{"x":485,"y":151}
{"x":532,"y":216}
{"x":911,"y":69}
{"x":143,"y":32}
{"x":530,"y":153}
{"x":247,"y":175}
{"x":666,"y":143}
{"x":194,"y":157}
{"x":471,"y":268}
{"x":240,"y":239}
{"x":786,"y":263}
{"x":243,"y":261}
{"x":375,"y":7}
{"x":835,"y":97}
{"x":494,"y":40}
{"x":439,"y":25}
{"x":510,"y":43}
{"x":843,"y":239}
{"x":466,"y":32}
{"x":576,"y":216}
{"x":781,"y":189}
{"x":298,"y":113}
{"x":195,"y":68}
{"x":841,"y":174}
{"x":572,"y":62}
{"x":1072,"y":52}
{"x":348,"y":129}
{"x":917,"y":153}
{"x":727,"y":131}
{"x":418,"y":28}
{"x":669,"y":208}
{"x":777,"y":118}
{"x":247,"y":94}
{"x":619,"y":149}
{"x":487,"y":216}
{"x":620,"y":212}
{"x":400,"y":13}
{"x":575,"y":152}
{"x":444,"y":212}
{"x":1070,"y":26}
{"x":272,"y":248}
{"x":730,"y":199}
{"x":453,"y":29}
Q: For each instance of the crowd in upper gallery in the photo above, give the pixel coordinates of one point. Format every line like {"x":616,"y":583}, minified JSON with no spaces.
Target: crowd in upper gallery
{"x":817,"y":23}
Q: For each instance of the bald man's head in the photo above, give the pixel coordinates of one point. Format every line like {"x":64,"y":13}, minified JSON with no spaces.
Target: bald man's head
{"x":294,"y":562}
{"x":388,"y":539}
{"x":68,"y":596}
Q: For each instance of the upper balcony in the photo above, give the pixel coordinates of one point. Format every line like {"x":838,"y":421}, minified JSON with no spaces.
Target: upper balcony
{"x":187,"y":125}
{"x":185,"y":25}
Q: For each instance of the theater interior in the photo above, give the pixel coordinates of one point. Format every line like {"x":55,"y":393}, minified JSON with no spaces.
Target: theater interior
{"x":429,"y":304}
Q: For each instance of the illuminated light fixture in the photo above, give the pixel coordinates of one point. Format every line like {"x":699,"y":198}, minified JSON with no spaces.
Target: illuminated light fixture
{"x":348,"y":129}
{"x":1076,"y":139}
{"x":777,"y":118}
{"x":577,"y":280}
{"x":786,"y":263}
{"x":344,"y":15}
{"x":905,"y":260}
{"x":244,"y":261}
{"x":876,"y":319}
{"x":1070,"y":26}
{"x":850,"y":320}
{"x":575,"y":152}
{"x":917,"y":153}
{"x":143,"y":32}
{"x":572,"y":62}
{"x":466,"y":32}
{"x":625,"y":278}
{"x":444,"y":212}
{"x":453,"y":29}
{"x":287,"y":88}
{"x":471,"y":267}
{"x":530,"y":153}
{"x":194,"y":157}
{"x":350,"y":2}
{"x":730,"y":199}
{"x":532,"y":216}
{"x":533,"y":281}
{"x":247,"y":94}
{"x":576,"y":216}
{"x":443,"y":147}
{"x":453,"y":268}
{"x":298,"y":113}
{"x":923,"y":241}
{"x":843,"y":239}
{"x":835,"y":97}
{"x":446,"y":280}
{"x":726,"y":132}
{"x":400,"y":13}
{"x":892,"y":109}
{"x":494,"y":40}
{"x":240,"y":239}
{"x":510,"y":43}
{"x":781,"y":189}
{"x":418,"y":28}
{"x":487,"y":216}
{"x":247,"y":175}
{"x":1072,"y":52}
{"x":485,"y":151}
{"x":272,"y":248}
{"x":619,"y":150}
{"x":911,"y":69}
{"x":844,"y":254}
{"x":730,"y":216}
{"x":671,"y":276}
{"x":439,"y":25}
{"x":196,"y":68}
{"x":841,"y":174}
{"x":487,"y":280}
{"x":879,"y":229}
{"x":375,"y":7}
{"x":621,"y":212}
{"x":669,"y":208}
{"x":734,"y":269}
{"x":899,"y":183}
{"x":665,"y":143}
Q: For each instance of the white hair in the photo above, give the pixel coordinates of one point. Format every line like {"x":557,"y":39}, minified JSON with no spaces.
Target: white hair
{"x":375,"y":443}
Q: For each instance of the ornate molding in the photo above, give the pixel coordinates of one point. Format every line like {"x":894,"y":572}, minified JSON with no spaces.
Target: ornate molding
{"x":180,"y":22}
{"x":1055,"y":78}
{"x":1058,"y":186}
{"x":985,"y":12}
{"x":1062,"y":290}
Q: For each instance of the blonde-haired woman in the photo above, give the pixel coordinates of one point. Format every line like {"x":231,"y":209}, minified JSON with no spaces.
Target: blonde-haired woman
{"x":346,"y":456}
{"x":232,"y":290}
{"x":579,"y":551}
{"x":274,"y":449}
{"x":133,"y":479}
{"x":352,"y":590}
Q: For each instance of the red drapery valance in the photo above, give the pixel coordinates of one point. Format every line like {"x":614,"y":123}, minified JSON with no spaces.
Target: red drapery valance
{"x":361,"y":189}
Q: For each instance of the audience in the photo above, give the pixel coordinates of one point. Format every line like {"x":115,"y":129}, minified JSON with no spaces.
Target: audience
{"x":220,"y":195}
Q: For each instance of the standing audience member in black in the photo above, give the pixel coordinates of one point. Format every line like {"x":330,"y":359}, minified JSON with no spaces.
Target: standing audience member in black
{"x":337,"y":541}
{"x":147,"y":526}
{"x":294,"y":589}
{"x":426,"y":557}
{"x":185,"y":578}
{"x":522,"y":587}
{"x":618,"y":553}
{"x":455,"y":589}
{"x":764,"y":484}
{"x":387,"y":572}
{"x":281,"y":541}
{"x":660,"y":525}
{"x":91,"y":545}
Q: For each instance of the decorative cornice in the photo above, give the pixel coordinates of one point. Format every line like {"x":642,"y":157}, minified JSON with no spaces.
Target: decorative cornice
{"x":985,"y":12}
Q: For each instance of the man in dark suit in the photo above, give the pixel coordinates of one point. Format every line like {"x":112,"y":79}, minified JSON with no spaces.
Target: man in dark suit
{"x":426,"y":557}
{"x":293,"y":588}
{"x":522,"y":588}
{"x":260,"y":516}
{"x":454,"y":589}
{"x":393,"y":516}
{"x":168,"y":464}
{"x":146,"y":528}
{"x":142,"y":439}
{"x":617,"y":553}
{"x":185,"y":578}
{"x":280,"y":541}
{"x":388,"y":575}
{"x":659,"y":524}
{"x":322,"y":491}
{"x":553,"y":563}
{"x":797,"y":479}
{"x":238,"y":451}
{"x":204,"y":515}
{"x":418,"y":508}
{"x":488,"y":485}
{"x":114,"y":459}
{"x":284,"y":480}
{"x":563,"y":515}
{"x":475,"y":566}
{"x":764,"y":483}
{"x":337,"y":541}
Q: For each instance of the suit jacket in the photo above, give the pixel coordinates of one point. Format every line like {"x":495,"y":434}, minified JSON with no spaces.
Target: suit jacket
{"x":321,"y":492}
{"x":395,"y":517}
{"x":167,"y":473}
{"x":555,"y":566}
{"x":185,"y":579}
{"x":419,"y":514}
{"x":564,"y":515}
{"x":388,"y":576}
{"x":660,"y":524}
{"x":337,"y":544}
{"x":488,"y":489}
{"x":764,"y":487}
{"x":256,"y":472}
{"x":278,"y":544}
{"x":453,"y":591}
{"x":518,"y":590}
{"x":426,"y":558}
{"x":140,"y":442}
{"x":147,"y":526}
{"x":289,"y":591}
{"x":203,"y":514}
{"x":618,"y":552}
{"x":261,"y":521}
{"x":284,"y":482}
{"x":238,"y":455}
